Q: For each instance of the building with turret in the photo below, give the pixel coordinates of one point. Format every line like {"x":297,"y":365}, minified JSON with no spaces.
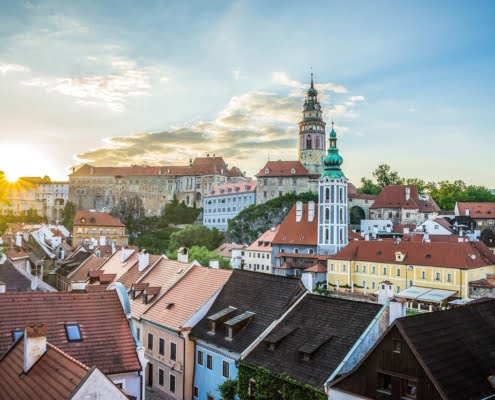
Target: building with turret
{"x":332,"y":202}
{"x":312,"y":133}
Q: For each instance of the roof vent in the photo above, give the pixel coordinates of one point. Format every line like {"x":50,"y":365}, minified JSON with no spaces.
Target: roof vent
{"x":219,"y":317}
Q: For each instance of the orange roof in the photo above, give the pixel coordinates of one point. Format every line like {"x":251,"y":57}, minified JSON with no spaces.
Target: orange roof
{"x":316,"y":268}
{"x":353,"y":235}
{"x":225,"y":249}
{"x":292,"y":232}
{"x":477,"y":210}
{"x":114,"y":264}
{"x":465,"y":255}
{"x":233,"y":188}
{"x":162,"y":275}
{"x":283,"y":168}
{"x":16,"y":254}
{"x":172,"y":311}
{"x":92,"y":263}
{"x":394,"y":196}
{"x":133,"y":274}
{"x":264,"y":242}
{"x":95,"y":218}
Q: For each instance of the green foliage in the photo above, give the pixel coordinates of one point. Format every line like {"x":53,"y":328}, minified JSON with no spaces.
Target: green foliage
{"x":202,"y":255}
{"x":179,"y":213}
{"x":68,"y":214}
{"x":152,"y":234}
{"x":444,"y":193}
{"x":228,"y":389}
{"x":269,"y":386}
{"x":196,"y":235}
{"x":251,"y":222}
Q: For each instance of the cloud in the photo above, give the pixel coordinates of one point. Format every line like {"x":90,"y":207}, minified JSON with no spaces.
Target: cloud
{"x":125,"y":80}
{"x":5,"y":68}
{"x":245,"y":132}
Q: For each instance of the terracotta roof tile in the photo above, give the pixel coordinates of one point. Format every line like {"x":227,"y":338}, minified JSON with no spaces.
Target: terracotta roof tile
{"x":233,"y":188}
{"x":477,"y":209}
{"x":465,"y":255}
{"x":264,"y":242}
{"x":292,"y":232}
{"x":225,"y":249}
{"x":394,"y":196}
{"x":316,"y":268}
{"x":191,"y":286}
{"x":107,"y":339}
{"x":133,"y":274}
{"x":283,"y":168}
{"x":95,"y":218}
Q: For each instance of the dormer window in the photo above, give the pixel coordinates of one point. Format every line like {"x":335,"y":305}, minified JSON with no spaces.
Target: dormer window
{"x":292,"y":170}
{"x":73,"y":332}
{"x":83,"y":220}
{"x":267,"y":170}
{"x":218,"y":318}
{"x":399,"y":257}
{"x":237,"y":323}
{"x":92,"y":220}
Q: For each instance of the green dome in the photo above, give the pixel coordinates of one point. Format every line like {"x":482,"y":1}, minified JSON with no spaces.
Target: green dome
{"x":333,"y":159}
{"x":333,"y":134}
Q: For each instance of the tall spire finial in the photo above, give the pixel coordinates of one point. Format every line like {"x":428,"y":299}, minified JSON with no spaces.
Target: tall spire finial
{"x":332,"y":124}
{"x":311,"y":76}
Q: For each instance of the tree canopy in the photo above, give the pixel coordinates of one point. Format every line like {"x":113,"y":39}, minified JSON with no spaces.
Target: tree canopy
{"x":445,"y":193}
{"x":196,"y":235}
{"x":202,"y":255}
{"x":68,"y":214}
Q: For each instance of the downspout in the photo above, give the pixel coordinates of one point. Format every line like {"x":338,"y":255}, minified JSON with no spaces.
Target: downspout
{"x":358,"y":342}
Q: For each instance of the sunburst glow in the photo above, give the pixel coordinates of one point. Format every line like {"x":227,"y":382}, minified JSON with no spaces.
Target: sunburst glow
{"x":17,"y":160}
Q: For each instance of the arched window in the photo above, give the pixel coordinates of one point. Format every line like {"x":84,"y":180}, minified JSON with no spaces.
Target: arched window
{"x":341,"y":236}
{"x":317,"y":142}
{"x":341,"y":194}
{"x":308,"y":142}
{"x":296,"y":251}
{"x":341,"y":215}
{"x":327,"y":214}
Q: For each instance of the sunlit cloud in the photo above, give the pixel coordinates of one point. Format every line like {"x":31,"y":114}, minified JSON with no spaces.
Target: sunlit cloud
{"x":6,"y":68}
{"x":126,"y":80}
{"x":250,"y":128}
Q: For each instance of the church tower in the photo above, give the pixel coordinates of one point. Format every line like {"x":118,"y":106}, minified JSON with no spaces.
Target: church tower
{"x":312,"y":133}
{"x":332,"y":202}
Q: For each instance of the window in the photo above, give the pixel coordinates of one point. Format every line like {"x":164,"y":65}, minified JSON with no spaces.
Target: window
{"x":373,"y":285}
{"x":398,"y":271}
{"x":73,"y":333}
{"x":364,"y":269}
{"x":225,"y":369}
{"x":200,"y":357}
{"x":173,"y":351}
{"x":17,"y":334}
{"x":423,"y":275}
{"x":385,"y":383}
{"x":150,"y":341}
{"x":373,"y":270}
{"x":196,"y":391}
{"x":397,"y":346}
{"x":384,"y":270}
{"x":408,"y":389}
{"x":437,"y":276}
{"x":332,"y":267}
{"x":209,"y":397}
{"x":160,"y":376}
{"x":161,"y":346}
{"x":171,"y":384}
{"x":449,"y":277}
{"x":357,"y":268}
{"x":209,"y":362}
{"x":138,"y":333}
{"x":343,"y":268}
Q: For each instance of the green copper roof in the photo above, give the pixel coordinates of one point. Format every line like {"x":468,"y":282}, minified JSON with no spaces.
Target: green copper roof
{"x":333,"y":159}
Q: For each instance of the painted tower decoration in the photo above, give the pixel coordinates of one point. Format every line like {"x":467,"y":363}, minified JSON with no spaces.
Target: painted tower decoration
{"x":332,"y":200}
{"x":312,"y":133}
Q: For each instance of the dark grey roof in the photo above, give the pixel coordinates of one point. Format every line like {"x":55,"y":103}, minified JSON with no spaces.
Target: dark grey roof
{"x":71,"y":263}
{"x":14,"y":280}
{"x":457,"y":347}
{"x":268,"y":296}
{"x":326,"y":328}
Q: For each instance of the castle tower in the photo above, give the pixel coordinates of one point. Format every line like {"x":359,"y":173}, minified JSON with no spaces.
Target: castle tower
{"x":312,"y":133}
{"x":332,"y":202}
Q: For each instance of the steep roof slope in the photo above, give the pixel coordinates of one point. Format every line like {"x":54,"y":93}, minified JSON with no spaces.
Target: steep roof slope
{"x":107,"y":341}
{"x":304,"y":232}
{"x":476,"y":209}
{"x":267,"y":296}
{"x":394,"y":196}
{"x":315,"y":326}
{"x":95,"y":218}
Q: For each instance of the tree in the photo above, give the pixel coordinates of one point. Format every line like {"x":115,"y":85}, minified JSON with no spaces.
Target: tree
{"x":385,"y":177}
{"x":368,"y":187}
{"x":202,"y":255}
{"x":196,"y":235}
{"x":178,"y":213}
{"x":446,"y":193}
{"x":68,"y":214}
{"x":228,"y":389}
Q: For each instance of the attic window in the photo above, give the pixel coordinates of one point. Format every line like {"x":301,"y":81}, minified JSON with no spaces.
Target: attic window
{"x":236,"y":324}
{"x":169,"y":306}
{"x":219,"y":317}
{"x":83,"y":220}
{"x":73,"y":333}
{"x":310,"y":347}
{"x":379,"y":253}
{"x":428,"y":256}
{"x":16,"y":334}
{"x":292,"y":170}
{"x":267,"y":170}
{"x":92,"y":220}
{"x":276,"y":337}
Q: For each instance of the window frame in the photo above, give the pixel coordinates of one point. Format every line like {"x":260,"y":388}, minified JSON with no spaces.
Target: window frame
{"x":225,"y":368}
{"x":69,"y":339}
{"x":209,"y":362}
{"x":149,"y":344}
{"x":173,"y":351}
{"x":161,"y":374}
{"x":172,"y":378}
{"x":161,"y":346}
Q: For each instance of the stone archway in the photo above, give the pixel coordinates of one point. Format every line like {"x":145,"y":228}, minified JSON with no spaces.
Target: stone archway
{"x":356,"y":215}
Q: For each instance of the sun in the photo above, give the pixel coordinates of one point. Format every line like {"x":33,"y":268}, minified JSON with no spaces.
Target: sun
{"x":18,"y":160}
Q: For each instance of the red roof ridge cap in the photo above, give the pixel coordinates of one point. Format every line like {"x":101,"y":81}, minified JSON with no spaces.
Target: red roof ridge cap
{"x":67,"y":356}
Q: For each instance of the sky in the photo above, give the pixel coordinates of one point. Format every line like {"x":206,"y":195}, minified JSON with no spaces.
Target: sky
{"x":408,"y":83}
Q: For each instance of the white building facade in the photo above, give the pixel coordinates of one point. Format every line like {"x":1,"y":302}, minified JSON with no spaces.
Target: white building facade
{"x":332,"y":202}
{"x":226,"y":201}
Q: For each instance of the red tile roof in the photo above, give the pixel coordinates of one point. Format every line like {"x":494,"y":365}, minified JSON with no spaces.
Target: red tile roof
{"x":303,"y":232}
{"x":233,"y":188}
{"x":191,"y":287}
{"x":264,"y":242}
{"x":394,"y":196}
{"x":353,"y":235}
{"x":54,"y":376}
{"x":465,"y":255}
{"x":16,"y":254}
{"x":225,"y":249}
{"x":362,"y":196}
{"x":107,"y":339}
{"x":476,"y":210}
{"x":316,"y":268}
{"x":95,"y":218}
{"x":283,"y":168}
{"x":133,"y":274}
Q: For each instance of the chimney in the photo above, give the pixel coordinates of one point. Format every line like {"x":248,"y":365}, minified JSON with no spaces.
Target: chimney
{"x":406,"y":231}
{"x":144,"y":260}
{"x":299,"y":211}
{"x":3,"y":287}
{"x":397,"y":309}
{"x":311,"y":211}
{"x":18,"y":239}
{"x":78,"y":286}
{"x":103,"y":241}
{"x":467,"y":212}
{"x":114,"y":249}
{"x":125,"y":253}
{"x":408,"y":193}
{"x":182,"y":255}
{"x":214,"y":264}
{"x":426,"y":238}
{"x":34,"y":345}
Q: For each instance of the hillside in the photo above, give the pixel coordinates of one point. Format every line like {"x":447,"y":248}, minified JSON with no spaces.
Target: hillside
{"x":250,"y":223}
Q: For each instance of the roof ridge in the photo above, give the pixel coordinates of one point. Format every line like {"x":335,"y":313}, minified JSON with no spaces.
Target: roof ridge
{"x":52,"y":346}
